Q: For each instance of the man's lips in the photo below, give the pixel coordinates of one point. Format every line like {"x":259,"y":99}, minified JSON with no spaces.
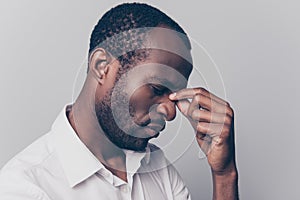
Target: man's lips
{"x":151,"y":129}
{"x":156,"y":125}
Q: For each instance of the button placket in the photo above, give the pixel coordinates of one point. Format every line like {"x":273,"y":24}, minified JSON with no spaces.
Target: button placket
{"x":125,"y":188}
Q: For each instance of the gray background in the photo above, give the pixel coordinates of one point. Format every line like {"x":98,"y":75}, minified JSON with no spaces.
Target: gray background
{"x":254,"y":43}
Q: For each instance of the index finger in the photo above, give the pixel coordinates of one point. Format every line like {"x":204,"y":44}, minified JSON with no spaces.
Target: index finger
{"x":186,"y":93}
{"x":189,"y":93}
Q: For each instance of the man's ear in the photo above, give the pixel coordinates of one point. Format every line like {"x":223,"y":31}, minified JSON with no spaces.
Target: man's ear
{"x":98,"y":64}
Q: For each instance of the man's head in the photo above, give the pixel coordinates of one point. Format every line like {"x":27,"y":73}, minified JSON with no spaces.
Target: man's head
{"x":138,"y":55}
{"x":123,"y":18}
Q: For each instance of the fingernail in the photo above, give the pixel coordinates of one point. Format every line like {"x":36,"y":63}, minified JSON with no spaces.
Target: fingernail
{"x":172,"y":96}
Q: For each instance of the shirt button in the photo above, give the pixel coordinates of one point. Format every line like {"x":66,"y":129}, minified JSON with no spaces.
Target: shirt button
{"x":124,"y":188}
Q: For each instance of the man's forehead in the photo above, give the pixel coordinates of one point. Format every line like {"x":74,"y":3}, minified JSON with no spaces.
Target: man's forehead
{"x":168,"y":40}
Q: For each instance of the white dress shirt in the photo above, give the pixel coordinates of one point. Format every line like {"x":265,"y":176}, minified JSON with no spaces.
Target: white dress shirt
{"x":58,"y":166}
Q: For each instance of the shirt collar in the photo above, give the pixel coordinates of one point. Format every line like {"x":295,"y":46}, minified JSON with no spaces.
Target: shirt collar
{"x":134,"y":159}
{"x":78,"y":162}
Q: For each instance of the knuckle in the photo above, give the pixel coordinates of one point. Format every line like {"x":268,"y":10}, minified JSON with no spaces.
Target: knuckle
{"x":227,"y":104}
{"x":229,"y":111}
{"x":218,"y":131}
{"x":220,"y":141}
{"x":211,"y":117}
{"x":227,"y":120}
{"x":190,"y":112}
{"x":225,"y":131}
{"x":197,"y":98}
{"x":196,"y":90}
{"x":200,"y":90}
{"x":194,"y":115}
{"x":201,"y":128}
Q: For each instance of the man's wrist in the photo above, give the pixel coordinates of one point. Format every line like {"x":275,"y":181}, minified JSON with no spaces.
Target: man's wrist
{"x":229,"y":178}
{"x":229,"y":172}
{"x":225,"y":185}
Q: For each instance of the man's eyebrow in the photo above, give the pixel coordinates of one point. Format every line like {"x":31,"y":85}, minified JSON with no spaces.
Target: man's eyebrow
{"x":166,"y":83}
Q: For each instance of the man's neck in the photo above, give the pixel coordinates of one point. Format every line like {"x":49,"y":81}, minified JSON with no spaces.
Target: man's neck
{"x":86,"y":126}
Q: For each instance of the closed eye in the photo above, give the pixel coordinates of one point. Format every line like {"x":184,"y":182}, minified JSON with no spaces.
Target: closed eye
{"x":159,"y":90}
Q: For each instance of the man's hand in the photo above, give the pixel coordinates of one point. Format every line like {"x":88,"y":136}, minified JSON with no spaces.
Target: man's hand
{"x":213,"y":121}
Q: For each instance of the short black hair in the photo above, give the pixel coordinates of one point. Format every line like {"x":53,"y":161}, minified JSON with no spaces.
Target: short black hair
{"x":122,"y":19}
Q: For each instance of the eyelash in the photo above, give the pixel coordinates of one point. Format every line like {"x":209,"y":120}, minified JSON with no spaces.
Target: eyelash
{"x":158,"y":91}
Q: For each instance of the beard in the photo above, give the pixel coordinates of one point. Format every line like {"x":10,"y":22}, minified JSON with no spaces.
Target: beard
{"x":115,"y":124}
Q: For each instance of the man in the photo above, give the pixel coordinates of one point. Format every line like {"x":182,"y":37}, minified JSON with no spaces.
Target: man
{"x":98,"y":147}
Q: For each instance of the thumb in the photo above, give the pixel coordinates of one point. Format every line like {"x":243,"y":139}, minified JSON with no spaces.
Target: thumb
{"x":183,"y":106}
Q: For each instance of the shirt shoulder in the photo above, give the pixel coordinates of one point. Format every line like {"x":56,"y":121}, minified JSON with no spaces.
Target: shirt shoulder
{"x":31,"y":156}
{"x":18,"y":174}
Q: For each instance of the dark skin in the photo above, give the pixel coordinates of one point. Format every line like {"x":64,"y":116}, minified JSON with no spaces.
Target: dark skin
{"x":215,"y":135}
{"x":210,"y":116}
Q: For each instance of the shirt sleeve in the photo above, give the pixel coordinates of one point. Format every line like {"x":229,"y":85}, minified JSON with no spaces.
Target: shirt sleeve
{"x":179,"y":189}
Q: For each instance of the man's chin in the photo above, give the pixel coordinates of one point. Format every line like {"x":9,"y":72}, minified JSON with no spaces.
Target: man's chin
{"x":140,"y":144}
{"x":134,"y":140}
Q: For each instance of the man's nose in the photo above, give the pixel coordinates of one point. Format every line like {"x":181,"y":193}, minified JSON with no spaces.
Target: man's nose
{"x":166,"y":108}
